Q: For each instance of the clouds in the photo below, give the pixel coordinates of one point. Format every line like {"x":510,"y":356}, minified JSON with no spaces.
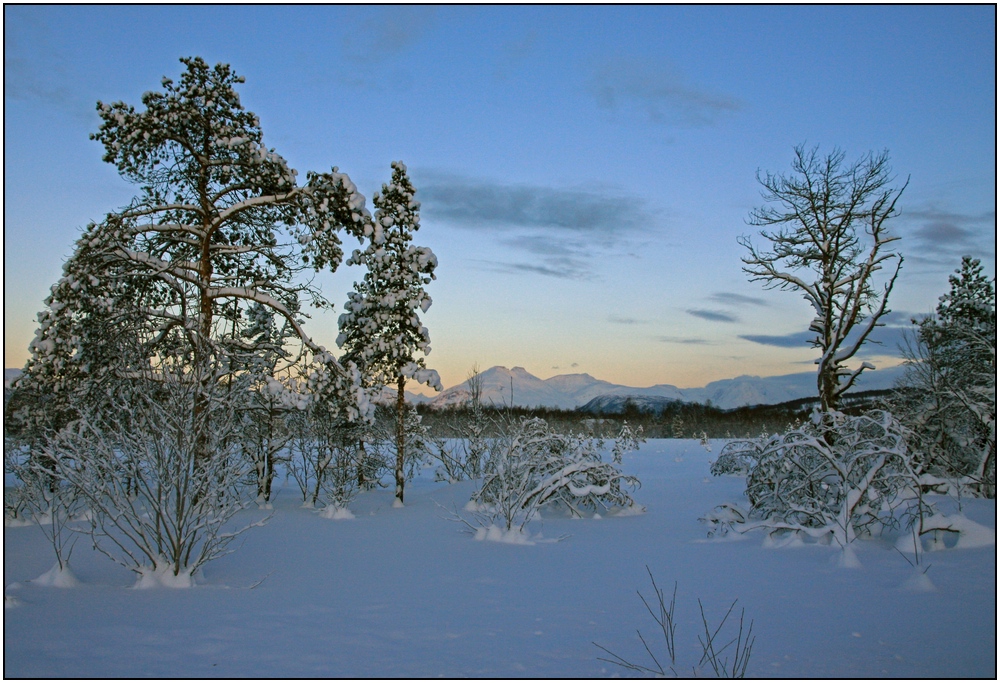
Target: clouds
{"x":624,"y":320}
{"x":733,"y":299}
{"x":729,"y":299}
{"x":34,"y":67}
{"x":660,"y":93}
{"x":562,"y":268}
{"x":942,"y":237}
{"x":693,"y":341}
{"x":556,"y":228}
{"x":714,"y":316}
{"x":883,"y":341}
{"x":785,"y":341}
{"x":374,"y":42}
{"x":477,"y":203}
{"x":385,"y":33}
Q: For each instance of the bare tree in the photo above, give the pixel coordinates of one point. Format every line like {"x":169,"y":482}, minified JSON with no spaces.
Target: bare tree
{"x":827,"y":229}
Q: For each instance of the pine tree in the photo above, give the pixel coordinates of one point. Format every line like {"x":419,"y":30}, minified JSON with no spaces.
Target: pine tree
{"x":381,"y":332}
{"x":948,"y":399}
{"x":219,"y":226}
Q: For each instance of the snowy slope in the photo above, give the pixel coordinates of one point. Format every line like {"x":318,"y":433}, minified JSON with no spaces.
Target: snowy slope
{"x":405,"y":593}
{"x":616,"y":403}
{"x":575,"y":390}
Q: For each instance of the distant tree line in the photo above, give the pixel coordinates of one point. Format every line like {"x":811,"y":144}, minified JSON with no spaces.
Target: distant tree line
{"x":677,"y":420}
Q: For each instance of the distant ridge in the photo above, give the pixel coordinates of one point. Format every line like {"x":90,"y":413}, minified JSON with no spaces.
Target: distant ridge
{"x":517,"y":386}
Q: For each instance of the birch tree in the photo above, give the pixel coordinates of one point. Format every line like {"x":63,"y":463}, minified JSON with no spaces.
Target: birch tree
{"x":380,"y":330}
{"x":826,"y":224}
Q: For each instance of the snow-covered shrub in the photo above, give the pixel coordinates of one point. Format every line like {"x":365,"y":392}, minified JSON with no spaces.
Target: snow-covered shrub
{"x":467,"y":458}
{"x":15,"y":457}
{"x":323,"y":457}
{"x":44,"y":500}
{"x":533,"y":466}
{"x":264,"y":431}
{"x":737,"y":457}
{"x":159,"y":506}
{"x":839,"y":477}
{"x":628,"y":440}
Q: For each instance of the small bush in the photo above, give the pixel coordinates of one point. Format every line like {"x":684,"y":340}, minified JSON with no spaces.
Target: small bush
{"x":531,"y":466}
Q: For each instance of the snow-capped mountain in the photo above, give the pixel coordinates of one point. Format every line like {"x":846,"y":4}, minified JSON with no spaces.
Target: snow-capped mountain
{"x":616,"y":403}
{"x":517,"y":386}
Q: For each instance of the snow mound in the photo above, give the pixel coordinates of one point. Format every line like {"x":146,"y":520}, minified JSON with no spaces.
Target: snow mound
{"x":919,"y":582}
{"x":57,"y":578}
{"x":630,"y":511}
{"x":498,"y":535}
{"x":162,"y":577}
{"x":970,"y":534}
{"x":848,"y":559}
{"x":336,"y":512}
{"x":783,"y":540}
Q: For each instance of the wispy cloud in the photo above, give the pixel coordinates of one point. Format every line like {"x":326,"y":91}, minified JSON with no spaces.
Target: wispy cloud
{"x":883,"y":341}
{"x":787,"y":341}
{"x":373,"y":43}
{"x":714,"y":316}
{"x":623,"y":320}
{"x":383,"y":33}
{"x":682,"y":340}
{"x":556,"y":228}
{"x":939,"y":236}
{"x":660,"y":92}
{"x":733,"y":299}
{"x":467,"y":202}
{"x":562,"y":268}
{"x":35,"y":69}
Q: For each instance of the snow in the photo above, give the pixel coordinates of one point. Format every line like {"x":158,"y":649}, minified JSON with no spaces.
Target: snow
{"x":575,"y":390}
{"x":57,"y":577}
{"x":408,"y":592}
{"x":336,"y":512}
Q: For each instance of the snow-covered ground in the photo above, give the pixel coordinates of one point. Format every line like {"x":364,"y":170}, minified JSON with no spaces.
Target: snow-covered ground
{"x":404,"y":592}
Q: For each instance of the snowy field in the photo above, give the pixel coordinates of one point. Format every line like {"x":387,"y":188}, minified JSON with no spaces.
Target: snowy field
{"x":404,"y":592}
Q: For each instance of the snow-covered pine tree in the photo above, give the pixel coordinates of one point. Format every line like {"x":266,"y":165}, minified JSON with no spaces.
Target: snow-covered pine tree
{"x":219,"y":225}
{"x":381,"y":330}
{"x":948,"y":397}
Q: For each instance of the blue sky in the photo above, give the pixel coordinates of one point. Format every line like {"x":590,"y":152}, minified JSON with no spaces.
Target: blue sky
{"x":584,"y":171}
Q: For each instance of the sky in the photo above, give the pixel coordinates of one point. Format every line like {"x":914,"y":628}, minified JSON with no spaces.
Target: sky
{"x":584,"y":171}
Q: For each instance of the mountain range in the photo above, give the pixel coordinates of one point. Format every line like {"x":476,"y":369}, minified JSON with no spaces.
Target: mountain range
{"x":517,"y":386}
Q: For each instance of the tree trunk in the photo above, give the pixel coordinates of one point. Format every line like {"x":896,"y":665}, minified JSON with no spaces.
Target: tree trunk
{"x":826,"y":379}
{"x":362,"y":463}
{"x":400,"y":436}
{"x":202,"y":355}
